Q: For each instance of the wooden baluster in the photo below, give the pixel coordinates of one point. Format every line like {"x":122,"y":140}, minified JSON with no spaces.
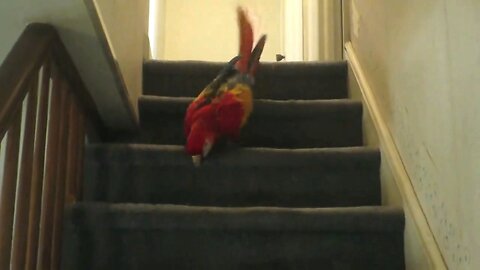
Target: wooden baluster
{"x":24,"y":181}
{"x":51,"y":152}
{"x":80,"y":161}
{"x":37,"y":173}
{"x":7,"y":195}
{"x":72,"y":156}
{"x":61,"y":175}
{"x":48,"y":196}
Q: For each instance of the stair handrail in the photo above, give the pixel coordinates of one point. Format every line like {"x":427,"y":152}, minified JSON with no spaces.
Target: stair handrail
{"x":46,"y":115}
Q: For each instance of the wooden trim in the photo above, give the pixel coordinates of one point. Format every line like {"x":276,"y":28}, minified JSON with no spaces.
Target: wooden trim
{"x":38,"y":171}
{"x":24,"y":182}
{"x":7,"y":196}
{"x":391,"y":155}
{"x":80,"y":158}
{"x":47,"y":212}
{"x":64,"y":129}
{"x":74,"y":144}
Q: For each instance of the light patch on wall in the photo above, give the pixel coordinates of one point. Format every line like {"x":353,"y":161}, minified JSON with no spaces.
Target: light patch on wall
{"x":156,"y":27}
{"x":293,"y":33}
{"x":355,"y":20}
{"x":3,"y":144}
{"x":153,"y":27}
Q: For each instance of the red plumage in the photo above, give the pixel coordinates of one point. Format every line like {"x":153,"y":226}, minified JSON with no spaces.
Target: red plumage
{"x":223,"y":107}
{"x":245,"y":39}
{"x":230,"y":113}
{"x":201,"y":128}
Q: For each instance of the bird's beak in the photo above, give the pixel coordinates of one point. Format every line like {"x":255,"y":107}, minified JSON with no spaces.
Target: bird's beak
{"x":207,"y":146}
{"x":197,"y":160}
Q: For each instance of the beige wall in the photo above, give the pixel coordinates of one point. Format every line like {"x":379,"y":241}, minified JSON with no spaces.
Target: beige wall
{"x":416,"y":253}
{"x":207,"y":29}
{"x":124,"y":24}
{"x":421,"y":59}
{"x":178,"y":23}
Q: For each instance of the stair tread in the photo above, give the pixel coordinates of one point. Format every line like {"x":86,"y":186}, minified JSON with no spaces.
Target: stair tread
{"x":182,"y":217}
{"x":297,"y":123}
{"x":271,"y":107}
{"x":248,"y":156}
{"x":235,"y":177}
{"x":139,"y":236}
{"x":309,"y":80}
{"x":290,"y":69}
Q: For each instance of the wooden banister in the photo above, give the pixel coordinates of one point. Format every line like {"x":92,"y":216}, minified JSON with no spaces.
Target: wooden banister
{"x":24,"y":181}
{"x":38,"y":170}
{"x":7,"y":194}
{"x":26,"y":56}
{"x":44,"y":147}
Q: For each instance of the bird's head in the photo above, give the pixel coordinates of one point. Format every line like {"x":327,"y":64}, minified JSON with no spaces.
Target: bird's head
{"x":199,"y":143}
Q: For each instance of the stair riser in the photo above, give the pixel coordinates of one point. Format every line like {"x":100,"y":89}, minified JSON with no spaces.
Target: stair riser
{"x":328,"y":129}
{"x":274,"y":81}
{"x":233,"y":186}
{"x":205,"y":249}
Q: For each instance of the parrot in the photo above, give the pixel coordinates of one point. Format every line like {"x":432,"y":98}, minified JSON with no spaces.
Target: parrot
{"x":223,"y":107}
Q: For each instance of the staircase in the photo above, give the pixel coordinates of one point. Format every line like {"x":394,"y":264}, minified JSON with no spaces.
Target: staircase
{"x":299,"y":192}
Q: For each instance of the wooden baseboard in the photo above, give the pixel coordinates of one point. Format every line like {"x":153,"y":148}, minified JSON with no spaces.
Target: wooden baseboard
{"x":391,"y":155}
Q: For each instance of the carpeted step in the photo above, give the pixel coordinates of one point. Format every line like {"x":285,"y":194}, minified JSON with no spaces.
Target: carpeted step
{"x":136,"y":236}
{"x":292,"y":80}
{"x":239,"y":177}
{"x":289,"y":124}
{"x":299,"y":191}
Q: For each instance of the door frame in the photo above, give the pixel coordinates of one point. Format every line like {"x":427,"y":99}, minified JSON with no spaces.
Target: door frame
{"x":293,"y":30}
{"x":313,"y":30}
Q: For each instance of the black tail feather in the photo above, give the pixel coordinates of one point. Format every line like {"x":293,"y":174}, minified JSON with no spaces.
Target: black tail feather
{"x":256,"y":54}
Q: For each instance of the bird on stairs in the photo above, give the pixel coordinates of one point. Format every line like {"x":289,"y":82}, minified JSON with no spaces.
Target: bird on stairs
{"x":225,"y":104}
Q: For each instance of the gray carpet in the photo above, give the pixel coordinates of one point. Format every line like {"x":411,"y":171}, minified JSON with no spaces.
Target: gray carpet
{"x":236,"y":177}
{"x":274,"y":123}
{"x":292,"y":80}
{"x":298,"y":191}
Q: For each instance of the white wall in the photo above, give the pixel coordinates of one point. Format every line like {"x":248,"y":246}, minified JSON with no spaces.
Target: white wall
{"x":78,"y":33}
{"x":421,"y":59}
{"x":207,"y":29}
